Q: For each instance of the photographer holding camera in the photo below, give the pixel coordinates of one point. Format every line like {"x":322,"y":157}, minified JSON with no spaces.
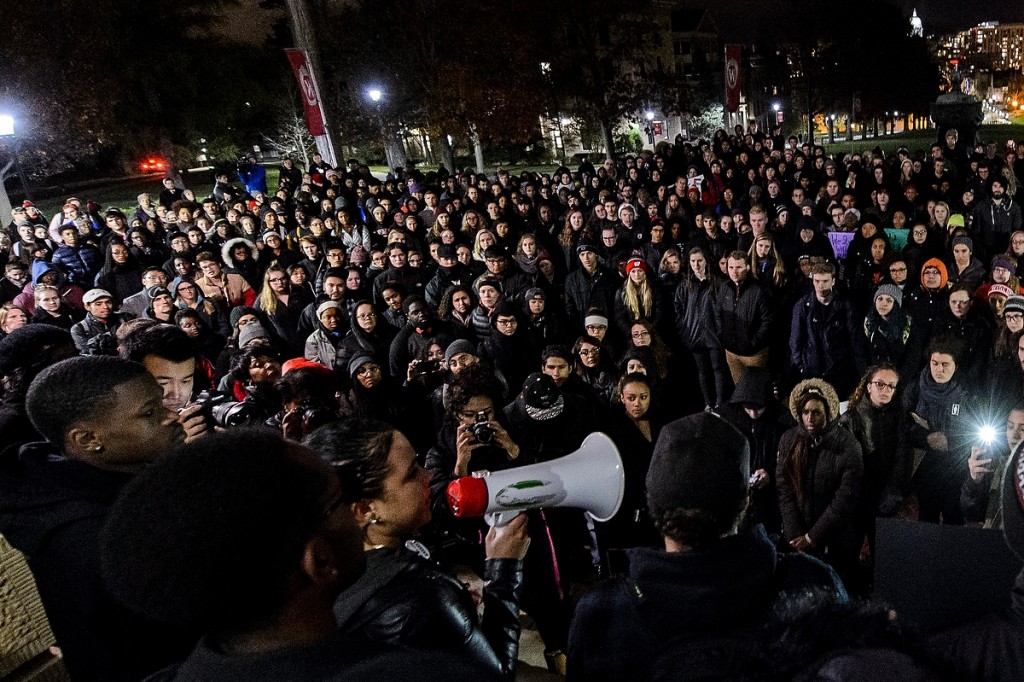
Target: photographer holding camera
{"x":471,"y":439}
{"x":168,"y":355}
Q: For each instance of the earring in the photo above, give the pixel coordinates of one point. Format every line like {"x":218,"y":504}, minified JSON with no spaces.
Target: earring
{"x":99,"y":448}
{"x":374,"y":520}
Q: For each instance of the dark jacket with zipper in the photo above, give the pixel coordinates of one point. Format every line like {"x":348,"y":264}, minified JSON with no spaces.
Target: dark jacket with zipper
{"x":406,"y":599}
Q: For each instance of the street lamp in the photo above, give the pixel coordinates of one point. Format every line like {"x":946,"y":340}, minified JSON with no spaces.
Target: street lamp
{"x":375,"y":94}
{"x":7,"y":130}
{"x":831,"y":128}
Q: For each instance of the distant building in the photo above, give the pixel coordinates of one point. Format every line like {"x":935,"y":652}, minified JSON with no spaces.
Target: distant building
{"x":989,"y":46}
{"x":916,"y":27}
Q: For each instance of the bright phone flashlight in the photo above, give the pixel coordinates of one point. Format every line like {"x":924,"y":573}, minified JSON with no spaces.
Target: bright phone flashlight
{"x":987,"y":434}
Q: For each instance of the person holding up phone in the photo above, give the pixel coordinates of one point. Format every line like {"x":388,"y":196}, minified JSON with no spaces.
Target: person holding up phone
{"x":979,"y":496}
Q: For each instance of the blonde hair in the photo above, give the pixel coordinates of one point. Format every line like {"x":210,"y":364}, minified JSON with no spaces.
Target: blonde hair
{"x":778,"y":276}
{"x":268,"y":299}
{"x":639,"y":298}
{"x":43,"y":288}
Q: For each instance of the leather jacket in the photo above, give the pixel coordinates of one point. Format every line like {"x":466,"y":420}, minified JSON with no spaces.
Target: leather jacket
{"x":405,"y":599}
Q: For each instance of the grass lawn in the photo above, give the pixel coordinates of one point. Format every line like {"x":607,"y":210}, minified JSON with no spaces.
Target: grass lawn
{"x":922,"y":139}
{"x":121,"y":193}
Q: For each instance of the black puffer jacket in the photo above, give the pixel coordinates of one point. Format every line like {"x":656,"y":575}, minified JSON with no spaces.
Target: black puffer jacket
{"x":832,"y":472}
{"x":693,"y":301}
{"x":882,"y":434}
{"x":583,"y":290}
{"x":743,"y":316}
{"x":408,"y":600}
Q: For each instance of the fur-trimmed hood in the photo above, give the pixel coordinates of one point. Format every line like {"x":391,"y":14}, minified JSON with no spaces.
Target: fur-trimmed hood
{"x":819,"y":387}
{"x":229,"y":245}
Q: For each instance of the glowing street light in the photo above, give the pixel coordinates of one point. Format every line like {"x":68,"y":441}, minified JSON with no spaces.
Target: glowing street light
{"x":375,"y":94}
{"x":6,"y":125}
{"x":649,"y":115}
{"x":776,"y":107}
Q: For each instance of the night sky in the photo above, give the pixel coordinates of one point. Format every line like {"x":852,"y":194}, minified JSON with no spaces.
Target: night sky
{"x":941,"y":16}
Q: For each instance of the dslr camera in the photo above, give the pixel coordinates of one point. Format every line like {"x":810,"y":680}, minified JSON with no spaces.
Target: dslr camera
{"x":219,"y":411}
{"x":481,"y":429}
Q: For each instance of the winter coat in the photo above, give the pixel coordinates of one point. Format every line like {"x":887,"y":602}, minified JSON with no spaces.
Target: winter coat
{"x":925,"y":305}
{"x":694,"y":318}
{"x":990,"y":219}
{"x":832,"y":473}
{"x":972,"y":276}
{"x":248,"y":268}
{"x":895,"y":340}
{"x":623,"y":623}
{"x":120,"y":281}
{"x":975,"y":332}
{"x":320,"y":347}
{"x":514,"y":356}
{"x":285,"y":320}
{"x":946,"y":408}
{"x":743,"y":316}
{"x":480,"y":322}
{"x":70,"y":294}
{"x":763,"y":435}
{"x":623,"y":318}
{"x":882,"y":434}
{"x":81,"y":263}
{"x":403,"y":598}
{"x":91,"y":327}
{"x":234,"y":292}
{"x":444,"y":278}
{"x":52,"y":509}
{"x":826,"y":341}
{"x":65,"y":319}
{"x":584,"y":290}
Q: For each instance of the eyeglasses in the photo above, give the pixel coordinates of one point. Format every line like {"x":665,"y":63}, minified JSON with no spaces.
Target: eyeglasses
{"x":506,"y":323}
{"x":585,"y":352}
{"x":881,"y":384}
{"x":931,"y":271}
{"x":1015,"y":317}
{"x":897,"y":269}
{"x":641,"y":335}
{"x":366,"y":316}
{"x":367,"y":369}
{"x":277,"y":279}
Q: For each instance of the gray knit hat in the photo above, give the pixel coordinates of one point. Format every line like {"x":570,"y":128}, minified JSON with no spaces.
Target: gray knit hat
{"x":456,"y":347}
{"x":890,"y":290}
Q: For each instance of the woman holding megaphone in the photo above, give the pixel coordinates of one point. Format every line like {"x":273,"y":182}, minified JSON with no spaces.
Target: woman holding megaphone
{"x":404,"y":597}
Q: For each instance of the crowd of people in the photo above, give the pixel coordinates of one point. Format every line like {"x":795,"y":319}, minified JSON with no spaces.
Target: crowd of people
{"x":783,"y":345}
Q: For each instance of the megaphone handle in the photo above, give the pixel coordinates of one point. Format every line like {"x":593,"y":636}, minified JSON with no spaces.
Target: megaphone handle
{"x":500,"y":518}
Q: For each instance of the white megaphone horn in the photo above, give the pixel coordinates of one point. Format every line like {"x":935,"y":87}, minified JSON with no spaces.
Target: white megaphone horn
{"x":591,"y":479}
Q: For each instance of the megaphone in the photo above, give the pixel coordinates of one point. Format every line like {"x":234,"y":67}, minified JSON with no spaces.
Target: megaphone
{"x":591,"y":479}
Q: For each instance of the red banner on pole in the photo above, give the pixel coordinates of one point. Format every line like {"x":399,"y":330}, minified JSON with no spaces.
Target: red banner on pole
{"x":310,"y":93}
{"x":733,"y":82}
